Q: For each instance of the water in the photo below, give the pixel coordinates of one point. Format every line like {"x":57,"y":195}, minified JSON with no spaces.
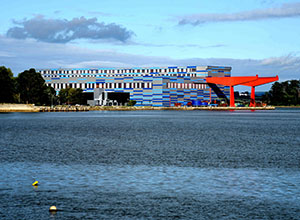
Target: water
{"x":151,"y":165}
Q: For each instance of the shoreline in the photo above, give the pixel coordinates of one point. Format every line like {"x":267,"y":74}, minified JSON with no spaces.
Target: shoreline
{"x":32,"y":108}
{"x":208,"y":108}
{"x":287,"y":106}
{"x":18,"y":108}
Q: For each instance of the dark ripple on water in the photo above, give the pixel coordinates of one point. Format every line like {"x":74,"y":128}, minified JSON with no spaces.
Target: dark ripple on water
{"x":151,"y":165}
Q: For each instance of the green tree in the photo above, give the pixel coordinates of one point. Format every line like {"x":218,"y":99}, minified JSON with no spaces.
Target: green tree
{"x":71,"y":96}
{"x":32,"y":88}
{"x":284,"y":93}
{"x":292,"y":92}
{"x":49,"y":96}
{"x":276,"y":94}
{"x":7,"y":85}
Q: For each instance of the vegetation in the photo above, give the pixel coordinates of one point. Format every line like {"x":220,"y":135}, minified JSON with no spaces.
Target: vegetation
{"x":7,"y":86}
{"x":32,"y":88}
{"x":131,"y":103}
{"x":71,"y":96}
{"x":28,"y":87}
{"x":285,"y":93}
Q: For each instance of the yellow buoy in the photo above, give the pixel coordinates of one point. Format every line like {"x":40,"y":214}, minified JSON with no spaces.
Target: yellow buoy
{"x":35,"y":183}
{"x":53,"y":209}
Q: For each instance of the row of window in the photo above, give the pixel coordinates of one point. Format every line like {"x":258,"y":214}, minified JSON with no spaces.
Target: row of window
{"x":72,"y":85}
{"x":143,"y":85}
{"x":125,"y":85}
{"x":100,"y":85}
{"x":122,"y":71}
{"x":186,"y":86}
{"x":117,"y":75}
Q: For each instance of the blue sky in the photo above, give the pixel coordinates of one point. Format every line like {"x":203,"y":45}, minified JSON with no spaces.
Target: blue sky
{"x":253,"y":37}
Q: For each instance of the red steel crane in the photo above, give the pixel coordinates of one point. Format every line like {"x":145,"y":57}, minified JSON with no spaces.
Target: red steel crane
{"x":241,"y":80}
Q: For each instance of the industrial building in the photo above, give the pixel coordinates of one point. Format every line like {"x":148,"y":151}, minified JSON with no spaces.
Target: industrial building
{"x":155,"y":86}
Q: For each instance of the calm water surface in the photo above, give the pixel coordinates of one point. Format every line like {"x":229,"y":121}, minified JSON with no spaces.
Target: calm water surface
{"x":151,"y":165}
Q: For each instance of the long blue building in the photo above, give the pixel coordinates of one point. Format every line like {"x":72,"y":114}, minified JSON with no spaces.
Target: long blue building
{"x":155,"y":86}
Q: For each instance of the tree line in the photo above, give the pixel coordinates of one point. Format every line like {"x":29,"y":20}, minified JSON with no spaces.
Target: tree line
{"x":285,"y":93}
{"x":30,"y":87}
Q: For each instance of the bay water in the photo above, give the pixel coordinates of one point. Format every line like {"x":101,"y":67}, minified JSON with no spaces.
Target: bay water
{"x":150,"y":165}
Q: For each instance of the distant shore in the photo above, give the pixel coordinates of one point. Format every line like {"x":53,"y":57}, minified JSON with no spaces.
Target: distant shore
{"x":33,"y":108}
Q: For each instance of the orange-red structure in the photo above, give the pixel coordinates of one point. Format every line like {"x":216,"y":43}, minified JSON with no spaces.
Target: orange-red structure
{"x":258,"y":82}
{"x":231,"y":81}
{"x":241,"y":80}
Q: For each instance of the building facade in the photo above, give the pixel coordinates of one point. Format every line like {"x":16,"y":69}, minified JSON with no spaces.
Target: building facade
{"x":156,"y":86}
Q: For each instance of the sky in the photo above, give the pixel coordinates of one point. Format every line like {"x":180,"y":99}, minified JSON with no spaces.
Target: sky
{"x":253,"y":37}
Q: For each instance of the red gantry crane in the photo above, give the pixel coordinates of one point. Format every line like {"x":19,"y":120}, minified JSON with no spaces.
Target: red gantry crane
{"x":241,"y":80}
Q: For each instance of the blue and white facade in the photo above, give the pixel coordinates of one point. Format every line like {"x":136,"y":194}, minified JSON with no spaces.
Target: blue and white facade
{"x":155,"y":86}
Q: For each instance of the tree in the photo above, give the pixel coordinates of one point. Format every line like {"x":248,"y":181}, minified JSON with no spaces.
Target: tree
{"x":32,"y":88}
{"x":7,"y":85}
{"x":284,"y":93}
{"x":71,"y":96}
{"x":292,"y":91}
{"x":49,"y":96}
{"x":276,"y":94}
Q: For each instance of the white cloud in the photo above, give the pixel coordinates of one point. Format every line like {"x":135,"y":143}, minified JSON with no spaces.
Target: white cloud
{"x":92,"y":64}
{"x":176,"y":45}
{"x":289,"y":60}
{"x":6,"y":54}
{"x":285,"y":11}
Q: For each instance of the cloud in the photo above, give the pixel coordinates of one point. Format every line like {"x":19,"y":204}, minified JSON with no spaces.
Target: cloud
{"x":284,"y":61}
{"x":97,"y":63}
{"x":285,"y":11}
{"x":6,"y":54}
{"x":20,"y":55}
{"x":290,"y":62}
{"x":177,"y":45}
{"x":63,"y":30}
